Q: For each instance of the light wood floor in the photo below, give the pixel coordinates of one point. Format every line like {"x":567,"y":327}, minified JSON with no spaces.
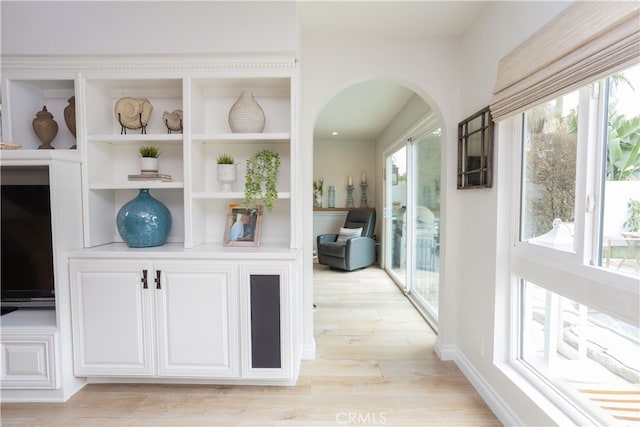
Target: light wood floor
{"x":374,"y":365}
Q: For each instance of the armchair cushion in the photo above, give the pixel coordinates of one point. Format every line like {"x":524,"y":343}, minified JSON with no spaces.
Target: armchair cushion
{"x":334,"y":249}
{"x":347,"y":233}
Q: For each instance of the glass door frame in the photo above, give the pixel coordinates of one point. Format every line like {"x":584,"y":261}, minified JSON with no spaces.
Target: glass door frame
{"x":406,"y":283}
{"x":403,"y":283}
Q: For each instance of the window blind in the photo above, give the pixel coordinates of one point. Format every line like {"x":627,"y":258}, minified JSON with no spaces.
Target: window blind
{"x":585,"y":42}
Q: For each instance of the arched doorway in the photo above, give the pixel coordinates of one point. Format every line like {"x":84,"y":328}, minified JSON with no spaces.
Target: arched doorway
{"x":386,"y":133}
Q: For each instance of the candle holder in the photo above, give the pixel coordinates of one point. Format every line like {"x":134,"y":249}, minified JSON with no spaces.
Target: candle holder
{"x":350,"y":202}
{"x":363,"y":196}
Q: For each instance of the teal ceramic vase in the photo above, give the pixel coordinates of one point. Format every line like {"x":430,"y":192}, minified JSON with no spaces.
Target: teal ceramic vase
{"x":144,"y":221}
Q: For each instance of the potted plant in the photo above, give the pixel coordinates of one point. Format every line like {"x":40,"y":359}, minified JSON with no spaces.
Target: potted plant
{"x":261,"y":176}
{"x":149,"y":160}
{"x":318,"y":191}
{"x":227,"y":174}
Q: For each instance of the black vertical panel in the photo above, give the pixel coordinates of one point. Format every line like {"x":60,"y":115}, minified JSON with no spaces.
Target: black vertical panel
{"x":265,"y":321}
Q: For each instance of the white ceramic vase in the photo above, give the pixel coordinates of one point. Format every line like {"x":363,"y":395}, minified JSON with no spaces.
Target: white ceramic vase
{"x":227,"y":175}
{"x":148,"y":165}
{"x":246,"y":115}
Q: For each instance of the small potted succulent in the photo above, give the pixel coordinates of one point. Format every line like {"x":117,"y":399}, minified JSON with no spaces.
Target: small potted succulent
{"x":227,"y":173}
{"x":149,"y":159}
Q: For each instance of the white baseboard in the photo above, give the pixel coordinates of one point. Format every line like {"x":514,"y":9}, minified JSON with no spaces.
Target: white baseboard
{"x":445,"y":352}
{"x":309,"y":350}
{"x":504,"y":413}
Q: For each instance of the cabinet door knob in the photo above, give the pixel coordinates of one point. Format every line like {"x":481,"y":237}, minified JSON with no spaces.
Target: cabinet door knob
{"x":144,"y":279}
{"x":157,"y":279}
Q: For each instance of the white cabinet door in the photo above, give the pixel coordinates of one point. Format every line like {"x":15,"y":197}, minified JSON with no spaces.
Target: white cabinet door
{"x":197,"y":320}
{"x":112,"y":316}
{"x":27,"y":361}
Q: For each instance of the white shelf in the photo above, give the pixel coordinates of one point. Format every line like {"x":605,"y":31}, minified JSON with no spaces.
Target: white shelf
{"x":243,"y":137}
{"x":173,"y":138}
{"x":24,"y":98}
{"x":23,"y":319}
{"x":134,"y":185}
{"x":101,"y":94}
{"x":231,"y":195}
{"x":42,"y":155}
{"x":176,"y":251}
{"x":107,"y":156}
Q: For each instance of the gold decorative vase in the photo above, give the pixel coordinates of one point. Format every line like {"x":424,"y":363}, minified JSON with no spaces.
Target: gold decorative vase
{"x":45,"y":128}
{"x":70,"y":117}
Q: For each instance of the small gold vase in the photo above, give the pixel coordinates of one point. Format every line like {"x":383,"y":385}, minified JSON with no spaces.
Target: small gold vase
{"x":45,"y":128}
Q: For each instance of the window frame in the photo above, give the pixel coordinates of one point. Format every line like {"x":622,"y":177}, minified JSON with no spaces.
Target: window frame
{"x":589,"y":194}
{"x":574,"y":275}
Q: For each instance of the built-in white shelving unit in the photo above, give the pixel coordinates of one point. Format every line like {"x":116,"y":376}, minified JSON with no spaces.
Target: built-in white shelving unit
{"x":204,"y":88}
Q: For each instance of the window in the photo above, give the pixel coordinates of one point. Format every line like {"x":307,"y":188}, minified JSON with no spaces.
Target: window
{"x":588,"y":356}
{"x":619,"y":231}
{"x":550,"y":143}
{"x":576,"y":260}
{"x":581,"y":174}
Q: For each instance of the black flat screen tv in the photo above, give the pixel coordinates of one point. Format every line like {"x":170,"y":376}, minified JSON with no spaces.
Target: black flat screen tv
{"x":27,"y":250}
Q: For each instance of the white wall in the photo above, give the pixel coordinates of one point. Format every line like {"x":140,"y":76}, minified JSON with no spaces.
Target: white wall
{"x":481,"y":228}
{"x":334,"y":161}
{"x":135,"y":27}
{"x":430,"y":67}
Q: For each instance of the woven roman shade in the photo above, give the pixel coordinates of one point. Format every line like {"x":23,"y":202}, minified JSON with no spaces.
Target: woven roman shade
{"x":585,"y":42}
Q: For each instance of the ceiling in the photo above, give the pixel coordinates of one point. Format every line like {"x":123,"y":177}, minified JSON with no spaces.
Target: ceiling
{"x":387,"y":18}
{"x":363,"y":111}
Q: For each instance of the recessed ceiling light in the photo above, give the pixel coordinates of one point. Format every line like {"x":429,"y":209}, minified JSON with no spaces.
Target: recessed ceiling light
{"x":334,"y":133}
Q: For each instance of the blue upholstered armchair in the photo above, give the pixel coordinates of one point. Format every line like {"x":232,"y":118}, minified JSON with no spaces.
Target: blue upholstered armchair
{"x":345,"y":251}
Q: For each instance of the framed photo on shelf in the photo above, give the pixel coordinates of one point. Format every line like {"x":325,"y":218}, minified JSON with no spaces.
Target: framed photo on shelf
{"x":244,"y":225}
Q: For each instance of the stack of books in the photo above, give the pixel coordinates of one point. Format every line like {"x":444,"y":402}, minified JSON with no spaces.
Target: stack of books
{"x":151,"y":177}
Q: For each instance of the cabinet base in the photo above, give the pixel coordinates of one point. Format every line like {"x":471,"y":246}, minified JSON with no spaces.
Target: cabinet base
{"x":176,"y":381}
{"x":46,"y":396}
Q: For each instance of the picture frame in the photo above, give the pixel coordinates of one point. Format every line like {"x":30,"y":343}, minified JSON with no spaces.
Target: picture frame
{"x":475,"y":151}
{"x":243,"y":226}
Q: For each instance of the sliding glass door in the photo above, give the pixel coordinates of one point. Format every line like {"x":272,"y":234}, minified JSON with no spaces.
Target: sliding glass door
{"x":426,"y":196}
{"x":396,"y":230}
{"x":412,"y":223}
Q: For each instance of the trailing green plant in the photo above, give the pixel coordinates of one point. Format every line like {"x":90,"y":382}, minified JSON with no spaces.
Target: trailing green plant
{"x":633,"y":220}
{"x":150,"y":151}
{"x":225,"y":159}
{"x":261,"y":175}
